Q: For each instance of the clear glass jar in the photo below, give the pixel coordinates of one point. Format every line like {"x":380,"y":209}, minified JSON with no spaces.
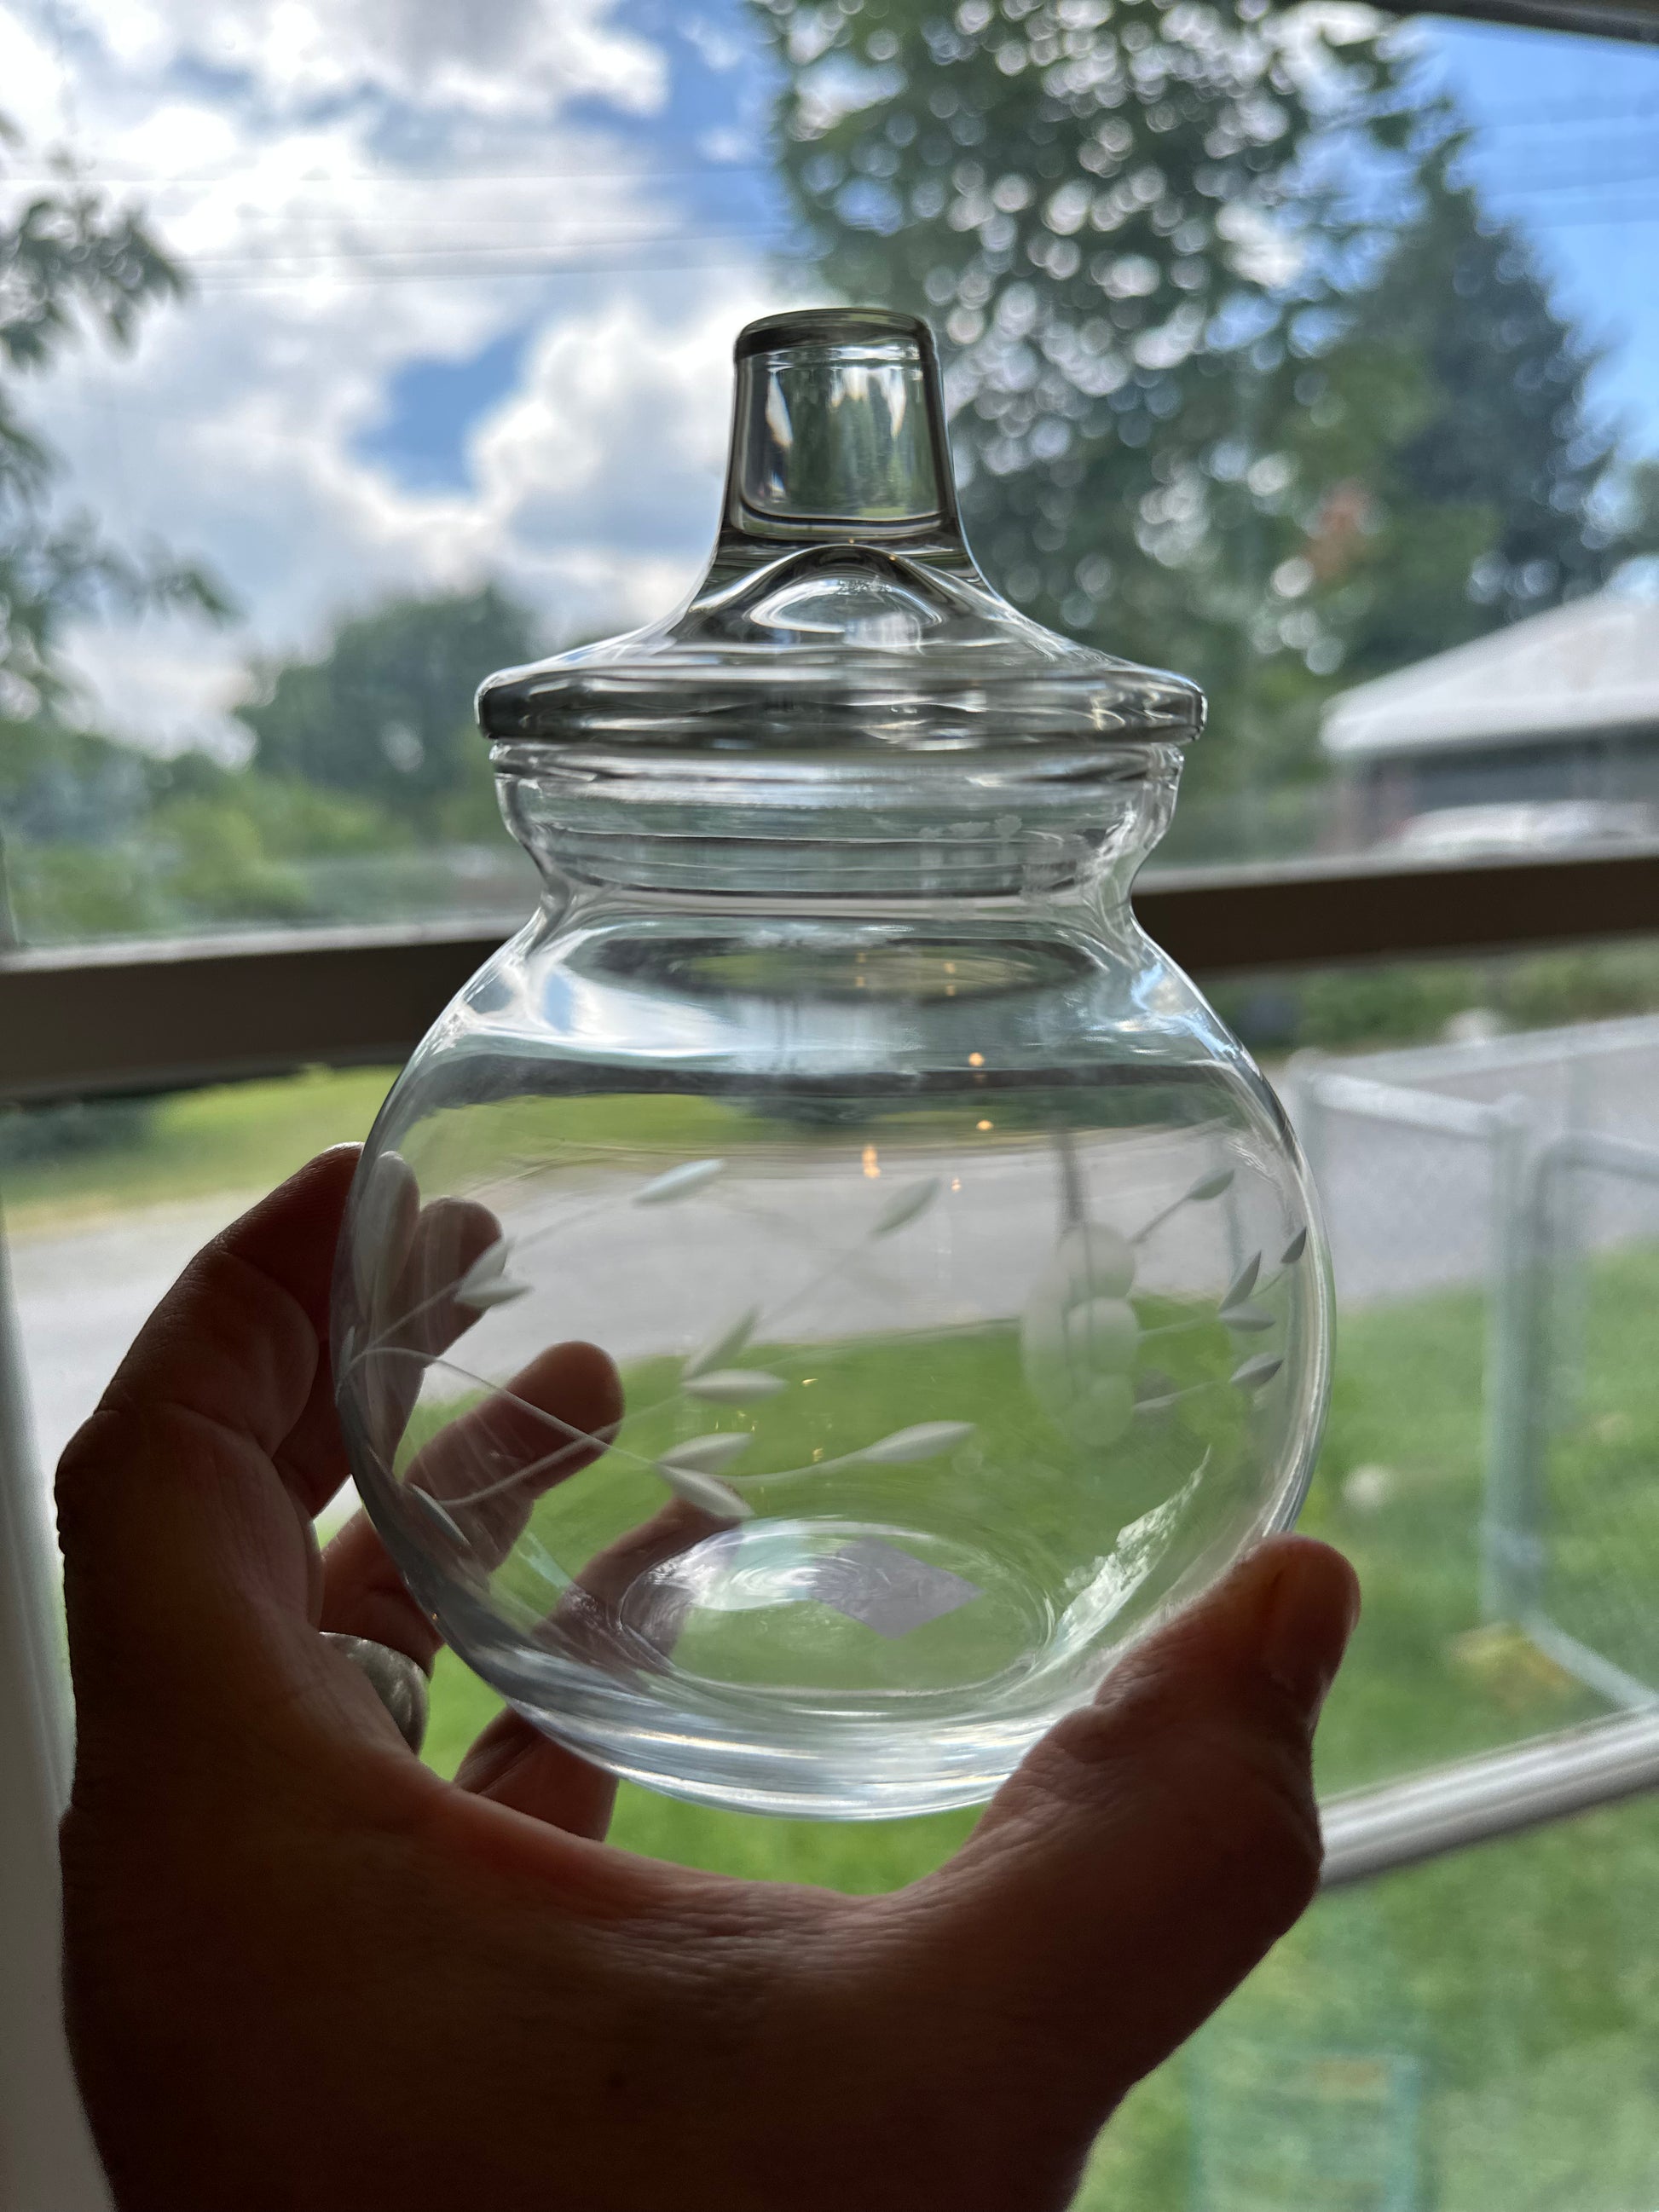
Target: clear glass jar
{"x":829,"y":1282}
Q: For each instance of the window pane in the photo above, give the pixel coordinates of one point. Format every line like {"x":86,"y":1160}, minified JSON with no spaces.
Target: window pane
{"x":1475,"y":2035}
{"x":1296,"y":351}
{"x":1487,"y":1454}
{"x":106,"y":1200}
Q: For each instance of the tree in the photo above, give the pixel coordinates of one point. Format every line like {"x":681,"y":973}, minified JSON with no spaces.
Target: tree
{"x":386,"y":713}
{"x":1093,"y":201}
{"x":71,"y":266}
{"x":103,"y":840}
{"x":1243,"y":380}
{"x":1487,"y":493}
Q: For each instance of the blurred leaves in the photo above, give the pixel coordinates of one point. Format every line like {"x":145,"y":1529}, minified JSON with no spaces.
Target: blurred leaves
{"x":385,"y":714}
{"x":72,"y":266}
{"x":1244,"y":379}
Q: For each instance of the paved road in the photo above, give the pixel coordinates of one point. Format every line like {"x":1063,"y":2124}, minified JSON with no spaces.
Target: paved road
{"x":82,"y":1293}
{"x":1407,"y":1210}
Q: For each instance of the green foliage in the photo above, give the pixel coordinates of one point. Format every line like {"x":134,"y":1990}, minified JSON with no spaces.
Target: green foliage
{"x":387,"y":714}
{"x":48,"y":1137}
{"x":71,"y":265}
{"x":1083,"y":198}
{"x":103,"y":841}
{"x":1487,"y":495}
{"x":1410,"y":1002}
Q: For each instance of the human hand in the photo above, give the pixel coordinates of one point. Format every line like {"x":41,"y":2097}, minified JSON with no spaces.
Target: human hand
{"x":303,"y":1971}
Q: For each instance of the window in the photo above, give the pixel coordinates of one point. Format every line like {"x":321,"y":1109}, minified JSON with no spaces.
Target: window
{"x":1325,"y":369}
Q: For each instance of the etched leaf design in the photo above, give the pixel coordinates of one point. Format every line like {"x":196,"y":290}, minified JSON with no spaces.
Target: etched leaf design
{"x":705,"y":1491}
{"x":906,"y":1206}
{"x":490,"y":1263}
{"x":678,"y":1183}
{"x":1254,"y":1372}
{"x":1249,"y":1319}
{"x":1242,"y":1283}
{"x":1211,"y":1186}
{"x":1295,"y":1249}
{"x":724,"y":1347}
{"x":733,"y":1386}
{"x":925,"y":1441}
{"x":486,"y":1283}
{"x":386,"y":1212}
{"x":436,"y":1513}
{"x":705,"y":1455}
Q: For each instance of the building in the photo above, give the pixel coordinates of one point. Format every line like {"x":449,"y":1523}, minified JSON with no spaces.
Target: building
{"x":1545,"y":732}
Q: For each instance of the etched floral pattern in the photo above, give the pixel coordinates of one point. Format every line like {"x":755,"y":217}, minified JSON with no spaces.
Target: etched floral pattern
{"x":1083,"y":1346}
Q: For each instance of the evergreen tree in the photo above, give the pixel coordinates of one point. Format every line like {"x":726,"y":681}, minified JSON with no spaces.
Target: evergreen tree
{"x":1221,"y":399}
{"x":1487,"y":493}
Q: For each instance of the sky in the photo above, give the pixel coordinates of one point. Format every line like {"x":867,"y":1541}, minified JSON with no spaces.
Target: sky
{"x":466,"y":281}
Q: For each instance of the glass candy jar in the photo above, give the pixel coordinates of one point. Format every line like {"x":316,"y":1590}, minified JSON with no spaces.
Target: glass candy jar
{"x":960,"y":1300}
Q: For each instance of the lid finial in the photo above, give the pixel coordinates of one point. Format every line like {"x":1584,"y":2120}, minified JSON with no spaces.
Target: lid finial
{"x":843,"y":613}
{"x":839,"y":428}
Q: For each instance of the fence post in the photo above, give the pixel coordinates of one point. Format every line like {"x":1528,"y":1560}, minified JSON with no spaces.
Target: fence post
{"x":1511,"y":1541}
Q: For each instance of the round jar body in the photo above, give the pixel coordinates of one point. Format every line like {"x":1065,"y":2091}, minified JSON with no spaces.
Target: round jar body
{"x":967,"y":1305}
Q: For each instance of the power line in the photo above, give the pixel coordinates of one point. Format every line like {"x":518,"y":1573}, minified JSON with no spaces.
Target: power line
{"x":1590,"y":182}
{"x":361,"y":278}
{"x":441,"y":180}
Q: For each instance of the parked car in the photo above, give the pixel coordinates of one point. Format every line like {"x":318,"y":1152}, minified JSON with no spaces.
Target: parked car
{"x":1530,"y":826}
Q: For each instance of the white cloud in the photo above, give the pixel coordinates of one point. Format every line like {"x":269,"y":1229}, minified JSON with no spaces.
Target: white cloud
{"x":324,"y":264}
{"x":595,"y":489}
{"x":490,"y":58}
{"x":31,"y":76}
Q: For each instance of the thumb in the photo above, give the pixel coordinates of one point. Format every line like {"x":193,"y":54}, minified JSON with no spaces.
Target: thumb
{"x":1155,"y":1846}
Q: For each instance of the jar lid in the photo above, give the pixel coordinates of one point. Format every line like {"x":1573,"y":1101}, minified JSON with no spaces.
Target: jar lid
{"x":843,"y":612}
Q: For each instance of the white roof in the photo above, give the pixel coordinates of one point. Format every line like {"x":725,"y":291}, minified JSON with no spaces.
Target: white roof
{"x":1593,"y":664}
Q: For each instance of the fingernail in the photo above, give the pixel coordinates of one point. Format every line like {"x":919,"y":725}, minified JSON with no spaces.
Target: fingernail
{"x":1308,"y":1617}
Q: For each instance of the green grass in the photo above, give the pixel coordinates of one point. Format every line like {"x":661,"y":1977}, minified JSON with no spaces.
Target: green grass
{"x":233,"y":1137}
{"x":246,"y":1137}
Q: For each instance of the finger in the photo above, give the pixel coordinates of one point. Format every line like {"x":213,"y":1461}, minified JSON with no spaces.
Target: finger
{"x":512,"y":1762}
{"x":553,"y":1419}
{"x":423,"y":1316}
{"x":1154,"y":1846}
{"x":359,"y":1590}
{"x":489,"y":1465}
{"x":515,"y":1764}
{"x":175,"y":1519}
{"x":363,"y":1595}
{"x":431,"y":1249}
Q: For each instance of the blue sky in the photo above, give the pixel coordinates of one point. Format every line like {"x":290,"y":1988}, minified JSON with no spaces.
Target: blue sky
{"x":1566,"y":145}
{"x":466,"y":282}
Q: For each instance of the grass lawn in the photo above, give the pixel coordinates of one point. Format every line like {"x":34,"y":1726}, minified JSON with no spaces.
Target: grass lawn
{"x":245,"y":1138}
{"x":240,"y":1137}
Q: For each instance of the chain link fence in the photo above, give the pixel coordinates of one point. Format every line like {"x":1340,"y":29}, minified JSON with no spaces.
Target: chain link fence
{"x":1525,"y":1169}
